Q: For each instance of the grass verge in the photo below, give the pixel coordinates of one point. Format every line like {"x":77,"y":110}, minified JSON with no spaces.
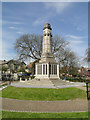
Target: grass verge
{"x":7,"y":114}
{"x":0,"y":93}
{"x":46,"y":94}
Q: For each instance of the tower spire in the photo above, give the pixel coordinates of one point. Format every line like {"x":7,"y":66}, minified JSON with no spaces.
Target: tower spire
{"x":47,"y":38}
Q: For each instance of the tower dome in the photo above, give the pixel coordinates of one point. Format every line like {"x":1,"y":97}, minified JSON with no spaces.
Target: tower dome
{"x":47,"y":25}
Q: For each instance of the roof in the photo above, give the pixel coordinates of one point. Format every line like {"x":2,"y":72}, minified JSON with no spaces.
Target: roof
{"x":86,"y":68}
{"x":11,"y":61}
{"x":30,"y":65}
{"x":3,"y":62}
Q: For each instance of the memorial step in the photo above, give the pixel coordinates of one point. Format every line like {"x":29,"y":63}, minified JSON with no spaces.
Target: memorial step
{"x":41,"y":82}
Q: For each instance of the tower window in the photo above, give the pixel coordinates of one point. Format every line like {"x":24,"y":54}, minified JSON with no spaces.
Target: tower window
{"x":50,"y":69}
{"x":46,"y":68}
{"x":48,"y":34}
{"x":39,"y":69}
{"x":43,"y":69}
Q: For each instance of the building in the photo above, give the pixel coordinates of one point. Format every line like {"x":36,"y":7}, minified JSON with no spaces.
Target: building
{"x":3,"y":63}
{"x":85,"y":71}
{"x":29,"y":68}
{"x":13,"y":65}
{"x":47,"y":67}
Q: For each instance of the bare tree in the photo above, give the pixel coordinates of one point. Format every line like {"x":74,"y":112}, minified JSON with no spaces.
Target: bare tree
{"x":58,"y":44}
{"x":87,"y":57}
{"x":67,"y":59}
{"x":30,"y":45}
{"x":73,"y":63}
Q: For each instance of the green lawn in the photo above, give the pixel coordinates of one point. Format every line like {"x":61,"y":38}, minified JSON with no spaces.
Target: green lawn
{"x":0,"y":93}
{"x":0,"y":115}
{"x":7,"y":114}
{"x":46,"y":94}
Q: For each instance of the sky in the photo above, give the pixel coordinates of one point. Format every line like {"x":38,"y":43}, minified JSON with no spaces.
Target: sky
{"x":67,"y":19}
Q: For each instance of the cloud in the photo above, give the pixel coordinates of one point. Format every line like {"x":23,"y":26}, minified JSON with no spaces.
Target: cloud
{"x":0,"y":22}
{"x":79,"y":28}
{"x":59,"y":7}
{"x":41,"y":20}
{"x":12,"y":27}
{"x":11,"y":22}
{"x":76,"y":41}
{"x":16,"y":29}
{"x":19,"y":32}
{"x":75,"y":37}
{"x":79,"y":49}
{"x":77,"y":44}
{"x":51,"y":10}
{"x":8,"y":39}
{"x":7,"y":51}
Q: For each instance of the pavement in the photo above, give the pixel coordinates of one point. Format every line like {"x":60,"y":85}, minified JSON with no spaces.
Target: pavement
{"x":44,"y":106}
{"x":57,"y":84}
{"x":3,"y":87}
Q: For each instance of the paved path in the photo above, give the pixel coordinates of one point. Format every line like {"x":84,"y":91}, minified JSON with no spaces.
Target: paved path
{"x":3,"y":87}
{"x":58,"y":84}
{"x":44,"y":106}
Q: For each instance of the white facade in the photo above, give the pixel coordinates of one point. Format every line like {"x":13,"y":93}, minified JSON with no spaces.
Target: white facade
{"x":48,"y":70}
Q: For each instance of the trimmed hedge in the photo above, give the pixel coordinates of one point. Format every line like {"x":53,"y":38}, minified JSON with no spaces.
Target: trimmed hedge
{"x":75,"y":79}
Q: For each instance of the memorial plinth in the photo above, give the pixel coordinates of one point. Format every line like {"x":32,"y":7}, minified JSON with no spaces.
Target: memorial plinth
{"x":47,"y":68}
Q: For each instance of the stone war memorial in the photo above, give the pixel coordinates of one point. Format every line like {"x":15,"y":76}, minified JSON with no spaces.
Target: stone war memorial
{"x":47,"y":68}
